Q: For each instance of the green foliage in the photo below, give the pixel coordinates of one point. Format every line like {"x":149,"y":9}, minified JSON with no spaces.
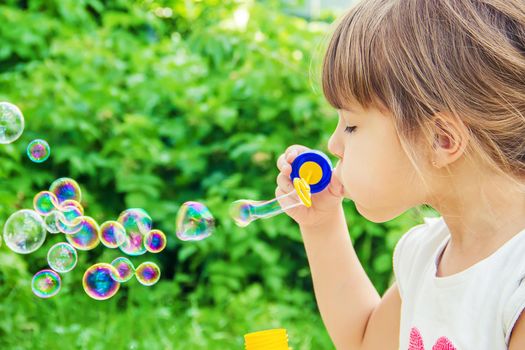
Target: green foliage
{"x":150,"y":104}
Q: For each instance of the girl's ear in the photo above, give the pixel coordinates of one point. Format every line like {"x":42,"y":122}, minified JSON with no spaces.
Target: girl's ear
{"x":451,"y":137}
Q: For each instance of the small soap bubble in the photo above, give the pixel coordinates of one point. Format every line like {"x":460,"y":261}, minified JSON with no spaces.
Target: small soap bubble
{"x":155,"y":241}
{"x":24,"y":231}
{"x":98,"y":283}
{"x":46,"y":283}
{"x":87,"y":237}
{"x":194,"y":222}
{"x":70,"y":217}
{"x":38,"y":150}
{"x":148,"y":273}
{"x":11,"y":123}
{"x":137,"y":223}
{"x":62,"y":257}
{"x":66,"y":188}
{"x":112,"y":234}
{"x":50,"y":222}
{"x":136,"y":219}
{"x":45,"y":202}
{"x":71,"y":209}
{"x":125,"y":269}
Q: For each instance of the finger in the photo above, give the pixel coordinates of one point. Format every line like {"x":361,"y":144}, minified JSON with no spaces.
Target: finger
{"x":293,"y":151}
{"x":284,"y":182}
{"x":279,"y":192}
{"x":298,"y":148}
{"x":282,"y":164}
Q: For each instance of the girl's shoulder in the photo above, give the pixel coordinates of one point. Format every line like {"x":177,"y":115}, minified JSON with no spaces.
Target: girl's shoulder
{"x":416,"y":246}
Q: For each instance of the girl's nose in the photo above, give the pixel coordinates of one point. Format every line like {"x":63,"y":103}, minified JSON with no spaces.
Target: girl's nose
{"x":334,"y":146}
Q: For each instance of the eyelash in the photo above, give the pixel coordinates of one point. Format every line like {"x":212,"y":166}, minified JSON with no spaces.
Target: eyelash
{"x":350,"y":129}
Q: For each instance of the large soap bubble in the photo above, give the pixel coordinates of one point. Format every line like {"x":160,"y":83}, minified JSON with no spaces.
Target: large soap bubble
{"x":194,"y":222}
{"x":98,"y":283}
{"x":11,"y":123}
{"x":24,"y":231}
{"x":66,"y":188}
{"x":46,"y":283}
{"x":62,"y":257}
{"x":137,"y":224}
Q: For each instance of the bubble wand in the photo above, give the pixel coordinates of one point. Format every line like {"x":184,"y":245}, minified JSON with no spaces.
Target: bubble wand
{"x":311,"y":173}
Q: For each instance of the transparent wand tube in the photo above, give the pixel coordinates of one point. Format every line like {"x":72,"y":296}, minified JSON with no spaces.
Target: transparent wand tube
{"x":245,"y":211}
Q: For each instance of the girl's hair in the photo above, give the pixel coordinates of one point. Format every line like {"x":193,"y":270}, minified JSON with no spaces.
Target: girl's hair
{"x":417,"y":58}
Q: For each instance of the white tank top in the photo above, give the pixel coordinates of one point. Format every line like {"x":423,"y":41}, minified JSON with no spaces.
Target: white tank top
{"x":473,"y":309}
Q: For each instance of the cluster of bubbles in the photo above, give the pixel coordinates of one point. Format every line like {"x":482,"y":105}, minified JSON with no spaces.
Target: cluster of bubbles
{"x":59,"y":210}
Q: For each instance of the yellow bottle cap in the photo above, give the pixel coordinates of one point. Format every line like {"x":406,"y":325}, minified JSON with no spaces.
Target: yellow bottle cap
{"x":272,"y":339}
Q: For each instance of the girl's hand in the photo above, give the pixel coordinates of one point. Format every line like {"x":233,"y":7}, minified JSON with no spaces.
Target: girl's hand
{"x":325,"y":204}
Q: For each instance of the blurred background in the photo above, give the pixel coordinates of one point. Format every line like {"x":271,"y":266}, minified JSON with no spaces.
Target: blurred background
{"x":151,"y":104}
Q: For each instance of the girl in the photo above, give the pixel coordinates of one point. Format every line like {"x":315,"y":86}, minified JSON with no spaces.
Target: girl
{"x":431,"y":102}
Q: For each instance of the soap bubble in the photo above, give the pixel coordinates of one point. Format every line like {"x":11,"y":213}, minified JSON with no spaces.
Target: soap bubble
{"x":11,"y":123}
{"x":112,"y":234}
{"x":125,"y":269}
{"x":137,"y":223}
{"x":69,"y":227}
{"x":71,"y":209}
{"x":62,"y":257}
{"x":155,"y":241}
{"x":50,"y":222}
{"x":148,"y":273}
{"x":46,"y":283}
{"x":87,"y":237}
{"x":98,"y":283}
{"x":38,"y":150}
{"x":136,"y":219}
{"x":66,"y":188}
{"x":194,"y":222}
{"x":70,"y":217}
{"x":45,"y":202}
{"x":24,"y":231}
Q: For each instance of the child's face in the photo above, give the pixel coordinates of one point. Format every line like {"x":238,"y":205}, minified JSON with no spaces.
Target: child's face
{"x":373,"y":167}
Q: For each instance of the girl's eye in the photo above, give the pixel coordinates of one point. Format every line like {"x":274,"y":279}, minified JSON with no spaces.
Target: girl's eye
{"x":350,"y":129}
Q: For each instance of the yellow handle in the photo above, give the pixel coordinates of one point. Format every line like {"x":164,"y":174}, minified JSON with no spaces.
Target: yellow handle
{"x":272,"y":339}
{"x":302,"y":188}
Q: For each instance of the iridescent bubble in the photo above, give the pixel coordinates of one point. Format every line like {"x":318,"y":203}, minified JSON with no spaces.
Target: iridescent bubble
{"x":136,"y":219}
{"x":71,"y":209}
{"x":11,"y":123}
{"x":24,"y":231}
{"x":148,"y":273}
{"x":70,"y":217}
{"x":98,"y":283}
{"x":69,"y":227}
{"x":62,"y":257}
{"x":66,"y":188}
{"x":87,"y":237}
{"x":125,"y":269}
{"x":45,"y":202}
{"x":112,"y":234}
{"x":137,"y":223}
{"x":194,"y":222}
{"x":46,"y":283}
{"x":50,"y":222}
{"x":38,"y":150}
{"x":155,"y":241}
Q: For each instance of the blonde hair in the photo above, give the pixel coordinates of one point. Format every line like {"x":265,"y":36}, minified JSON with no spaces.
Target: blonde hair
{"x":417,"y":58}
